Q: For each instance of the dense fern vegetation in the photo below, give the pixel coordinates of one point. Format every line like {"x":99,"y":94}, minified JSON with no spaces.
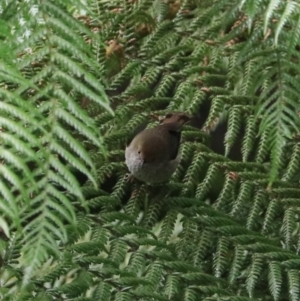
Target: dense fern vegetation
{"x":78,"y":79}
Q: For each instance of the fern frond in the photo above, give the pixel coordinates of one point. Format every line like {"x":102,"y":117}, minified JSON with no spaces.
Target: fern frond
{"x":253,"y":217}
{"x":245,"y":193}
{"x":238,"y":260}
{"x":289,"y":9}
{"x":220,"y":260}
{"x":206,"y":185}
{"x":289,"y":226}
{"x":270,"y":215}
{"x":172,"y":286}
{"x":249,"y":138}
{"x":190,"y":294}
{"x":293,"y":279}
{"x":275,"y":279}
{"x":254,"y":273}
{"x":293,"y":164}
{"x":168,"y":225}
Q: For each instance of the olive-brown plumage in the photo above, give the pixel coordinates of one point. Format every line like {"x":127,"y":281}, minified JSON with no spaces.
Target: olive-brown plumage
{"x":153,"y":154}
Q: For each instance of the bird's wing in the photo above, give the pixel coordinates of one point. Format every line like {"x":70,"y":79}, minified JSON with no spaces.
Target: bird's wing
{"x":174,"y":130}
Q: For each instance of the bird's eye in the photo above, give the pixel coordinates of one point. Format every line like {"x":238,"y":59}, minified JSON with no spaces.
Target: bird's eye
{"x":139,"y":152}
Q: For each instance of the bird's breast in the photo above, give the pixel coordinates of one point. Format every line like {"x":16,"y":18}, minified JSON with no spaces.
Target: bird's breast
{"x":150,"y":172}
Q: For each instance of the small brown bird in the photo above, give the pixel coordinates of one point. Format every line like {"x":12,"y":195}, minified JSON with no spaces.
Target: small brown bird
{"x":153,"y":154}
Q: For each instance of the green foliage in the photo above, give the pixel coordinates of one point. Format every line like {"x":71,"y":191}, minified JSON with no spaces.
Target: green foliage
{"x":41,"y":123}
{"x":226,"y":225}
